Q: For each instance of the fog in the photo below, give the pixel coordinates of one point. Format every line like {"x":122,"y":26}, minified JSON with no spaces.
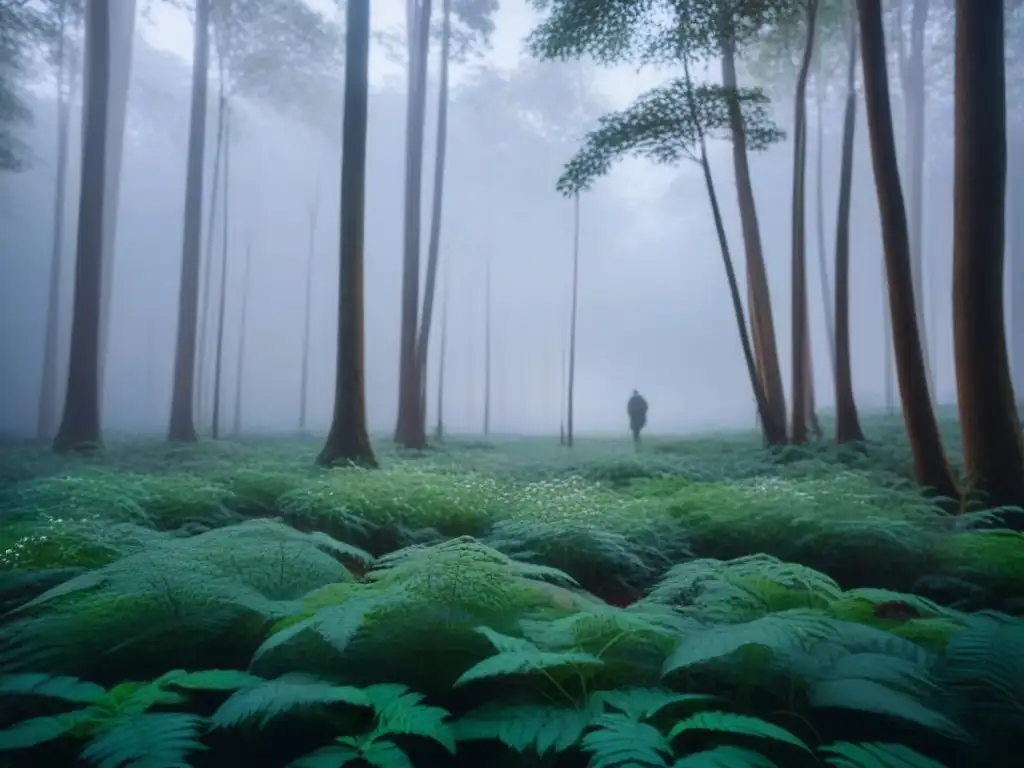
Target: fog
{"x":654,"y":308}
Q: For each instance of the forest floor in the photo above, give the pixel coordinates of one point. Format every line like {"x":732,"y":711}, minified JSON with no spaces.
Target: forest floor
{"x":607,"y":590}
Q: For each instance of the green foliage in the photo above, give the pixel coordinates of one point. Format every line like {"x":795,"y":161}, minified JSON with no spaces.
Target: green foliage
{"x":665,"y":125}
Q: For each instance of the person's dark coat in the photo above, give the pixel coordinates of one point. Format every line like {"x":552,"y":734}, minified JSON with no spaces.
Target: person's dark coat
{"x":637,"y":410}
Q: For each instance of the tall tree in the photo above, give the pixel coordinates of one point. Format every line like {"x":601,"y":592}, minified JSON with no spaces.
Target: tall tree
{"x":218,"y":362}
{"x":993,"y":449}
{"x":931,"y":468}
{"x":439,"y":430}
{"x":802,"y":382}
{"x":243,"y":335}
{"x":487,"y":346}
{"x":67,"y":66}
{"x":182,"y":422}
{"x":570,"y":399}
{"x":80,"y":426}
{"x":827,"y":300}
{"x":348,"y":440}
{"x":409,"y":428}
{"x":307,"y":310}
{"x":848,"y":428}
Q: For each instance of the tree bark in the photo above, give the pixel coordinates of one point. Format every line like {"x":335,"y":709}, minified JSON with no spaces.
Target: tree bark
{"x":218,"y":361}
{"x":848,"y":429}
{"x":182,"y":423}
{"x":1015,"y":207}
{"x":569,"y":425}
{"x":80,"y":427}
{"x":439,"y":431}
{"x":434,"y":245}
{"x":993,"y":450}
{"x":46,"y":424}
{"x":409,"y":429}
{"x":487,"y":347}
{"x":243,"y":322}
{"x":801,"y":335}
{"x":931,"y":468}
{"x":819,"y":191}
{"x":348,"y":440}
{"x":761,"y":321}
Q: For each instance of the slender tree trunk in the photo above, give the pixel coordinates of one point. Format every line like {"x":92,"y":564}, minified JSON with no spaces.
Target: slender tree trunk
{"x":80,"y":426}
{"x":801,"y":336}
{"x":848,"y":428}
{"x":439,"y":431}
{"x":307,"y":323}
{"x":348,"y":440}
{"x":182,"y":423}
{"x":761,"y":321}
{"x":46,"y":424}
{"x":993,"y":450}
{"x":819,"y":188}
{"x":487,"y":347}
{"x":1015,"y":209}
{"x":887,"y":350}
{"x":409,"y":429}
{"x":569,"y":428}
{"x":205,"y":287}
{"x":122,"y":35}
{"x":931,"y":468}
{"x":218,"y":362}
{"x":774,"y":432}
{"x":434,"y":246}
{"x":243,"y":325}
{"x":562,"y":390}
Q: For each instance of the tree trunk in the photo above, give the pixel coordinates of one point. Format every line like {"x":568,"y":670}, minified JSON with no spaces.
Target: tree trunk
{"x":46,"y":425}
{"x":848,"y":428}
{"x":243,"y":321}
{"x":819,"y":190}
{"x":761,"y":321}
{"x":182,"y":423}
{"x":993,"y":450}
{"x":434,"y":246}
{"x":1015,"y":208}
{"x":569,"y":427}
{"x":205,"y":293}
{"x":931,"y":468}
{"x":307,"y":323}
{"x":914,"y":100}
{"x":439,"y":431}
{"x":562,"y":390}
{"x":80,"y":426}
{"x":218,"y":362}
{"x":774,"y":432}
{"x":348,"y":440}
{"x":409,"y":429}
{"x":801,"y":335}
{"x":122,"y":35}
{"x":487,"y":348}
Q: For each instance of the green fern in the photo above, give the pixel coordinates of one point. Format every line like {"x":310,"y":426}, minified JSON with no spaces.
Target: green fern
{"x":619,"y":740}
{"x":875,"y":755}
{"x":521,"y":657}
{"x":273,"y":698}
{"x":725,"y":757}
{"x":159,"y":740}
{"x":737,"y":725}
{"x":521,"y":727}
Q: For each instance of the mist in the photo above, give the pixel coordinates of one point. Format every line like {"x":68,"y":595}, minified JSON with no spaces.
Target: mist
{"x":654,"y":310}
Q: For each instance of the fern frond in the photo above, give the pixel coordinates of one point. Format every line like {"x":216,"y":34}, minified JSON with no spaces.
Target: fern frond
{"x":873,"y":697}
{"x":525,"y":662}
{"x":36,"y":684}
{"x":619,"y":740}
{"x":34,"y":731}
{"x":401,"y":713}
{"x":334,"y":756}
{"x":285,"y":694}
{"x":209,"y":679}
{"x":740,"y":725}
{"x":645,"y":703}
{"x":160,"y":740}
{"x":544,"y":728}
{"x":844,"y":754}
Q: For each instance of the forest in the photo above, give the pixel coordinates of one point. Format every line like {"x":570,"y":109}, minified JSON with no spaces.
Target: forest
{"x":320,"y":320}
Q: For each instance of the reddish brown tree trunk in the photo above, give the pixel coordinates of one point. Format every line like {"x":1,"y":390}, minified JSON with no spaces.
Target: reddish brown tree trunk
{"x":993,"y":451}
{"x":930,"y":465}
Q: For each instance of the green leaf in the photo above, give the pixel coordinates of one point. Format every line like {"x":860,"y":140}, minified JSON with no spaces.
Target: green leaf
{"x":385,"y":754}
{"x":273,"y":698}
{"x":524,"y":662}
{"x":507,"y":643}
{"x":725,"y":757}
{"x":57,"y":687}
{"x":156,"y":739}
{"x":211,"y":680}
{"x":399,"y":712}
{"x":645,"y":703}
{"x":844,"y":754}
{"x":744,"y":725}
{"x":327,"y":757}
{"x":522,"y":726}
{"x":620,"y":741}
{"x":29,"y":733}
{"x":869,"y":696}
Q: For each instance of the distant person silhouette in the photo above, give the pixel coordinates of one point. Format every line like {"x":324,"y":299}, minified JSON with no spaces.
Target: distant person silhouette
{"x":637,"y":410}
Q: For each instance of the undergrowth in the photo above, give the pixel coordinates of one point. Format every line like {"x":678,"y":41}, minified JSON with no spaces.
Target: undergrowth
{"x":701,"y":604}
